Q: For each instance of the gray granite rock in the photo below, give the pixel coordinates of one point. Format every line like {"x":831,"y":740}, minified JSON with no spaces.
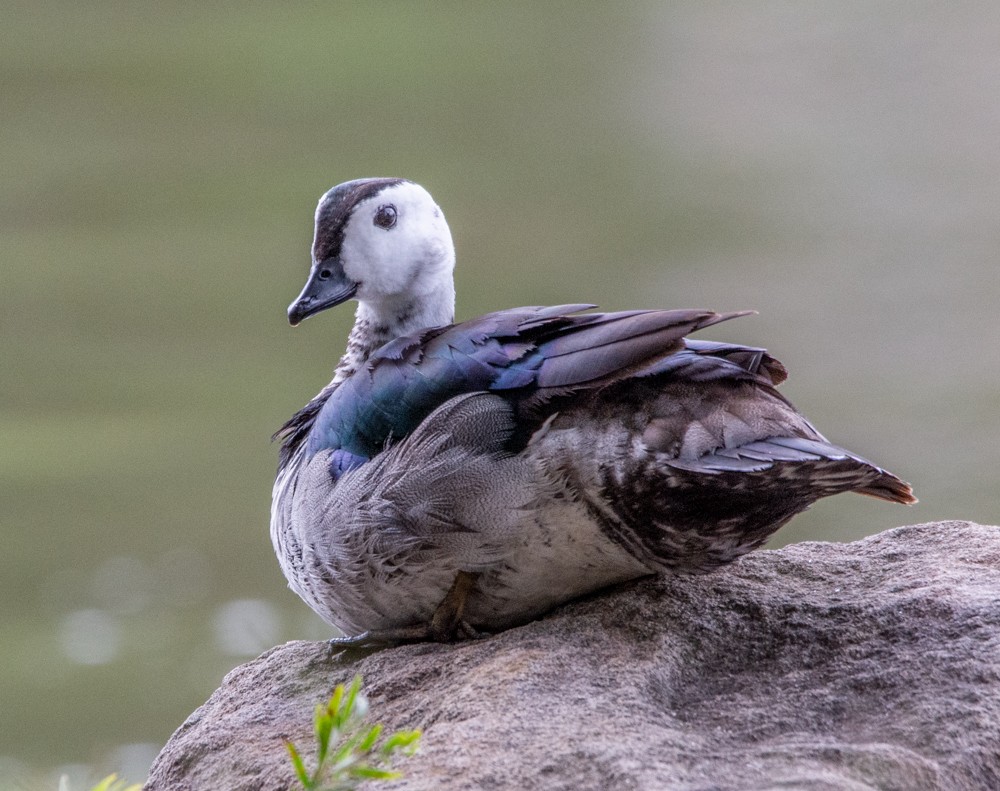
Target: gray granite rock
{"x":871,"y":665}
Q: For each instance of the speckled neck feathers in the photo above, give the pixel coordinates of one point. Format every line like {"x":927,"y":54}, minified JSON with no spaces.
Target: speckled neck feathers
{"x":376,"y":326}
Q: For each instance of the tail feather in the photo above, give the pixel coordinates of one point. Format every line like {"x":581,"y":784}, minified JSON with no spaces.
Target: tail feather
{"x":889,"y":487}
{"x":849,"y":472}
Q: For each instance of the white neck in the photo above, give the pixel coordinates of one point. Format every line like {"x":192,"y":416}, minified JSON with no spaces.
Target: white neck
{"x":377,"y":324}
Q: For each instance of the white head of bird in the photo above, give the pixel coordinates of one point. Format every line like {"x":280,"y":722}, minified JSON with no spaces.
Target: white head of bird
{"x":387,"y":244}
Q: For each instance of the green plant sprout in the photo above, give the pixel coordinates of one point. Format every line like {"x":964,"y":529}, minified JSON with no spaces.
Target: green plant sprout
{"x":112,"y":783}
{"x":347,"y":750}
{"x":109,"y":783}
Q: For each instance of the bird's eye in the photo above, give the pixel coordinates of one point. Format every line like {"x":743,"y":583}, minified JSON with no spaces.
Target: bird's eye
{"x":324,"y":274}
{"x":385,"y":217}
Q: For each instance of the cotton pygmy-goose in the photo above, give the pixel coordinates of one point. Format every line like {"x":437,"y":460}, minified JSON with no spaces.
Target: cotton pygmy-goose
{"x":454,"y":479}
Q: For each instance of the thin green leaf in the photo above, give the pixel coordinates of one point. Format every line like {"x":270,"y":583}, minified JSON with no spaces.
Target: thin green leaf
{"x":323,"y":728}
{"x":352,"y":696}
{"x":334,"y":706}
{"x":346,"y":752}
{"x":112,"y":783}
{"x":298,"y":765}
{"x":372,"y":773}
{"x":401,"y":739}
{"x":369,"y":739}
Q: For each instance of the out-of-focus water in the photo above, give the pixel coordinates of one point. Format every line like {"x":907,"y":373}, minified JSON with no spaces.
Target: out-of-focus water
{"x":833,"y":165}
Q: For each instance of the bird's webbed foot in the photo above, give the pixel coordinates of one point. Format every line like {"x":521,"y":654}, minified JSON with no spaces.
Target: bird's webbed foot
{"x":446,"y":624}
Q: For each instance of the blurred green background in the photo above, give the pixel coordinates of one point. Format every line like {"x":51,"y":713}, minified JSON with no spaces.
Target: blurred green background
{"x":833,"y":165}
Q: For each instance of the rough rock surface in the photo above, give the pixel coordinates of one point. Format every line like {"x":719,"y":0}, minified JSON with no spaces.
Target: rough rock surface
{"x":871,"y":665}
